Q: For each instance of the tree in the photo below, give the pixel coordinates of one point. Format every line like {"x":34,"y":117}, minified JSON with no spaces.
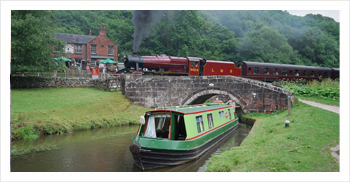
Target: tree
{"x":266,"y":45}
{"x":32,"y":41}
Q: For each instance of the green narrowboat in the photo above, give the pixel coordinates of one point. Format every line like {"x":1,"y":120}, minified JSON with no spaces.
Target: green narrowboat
{"x":176,"y":135}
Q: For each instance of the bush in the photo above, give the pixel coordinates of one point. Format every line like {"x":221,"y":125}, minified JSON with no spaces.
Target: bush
{"x":326,"y":88}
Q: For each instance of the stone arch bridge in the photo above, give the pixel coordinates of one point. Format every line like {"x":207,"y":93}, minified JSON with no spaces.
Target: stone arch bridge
{"x":161,"y":91}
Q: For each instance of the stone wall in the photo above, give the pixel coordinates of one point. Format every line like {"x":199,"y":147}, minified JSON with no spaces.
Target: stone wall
{"x":46,"y":82}
{"x":161,"y":91}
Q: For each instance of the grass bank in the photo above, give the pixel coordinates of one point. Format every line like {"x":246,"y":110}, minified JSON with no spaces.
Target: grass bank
{"x":304,"y":146}
{"x":48,"y":111}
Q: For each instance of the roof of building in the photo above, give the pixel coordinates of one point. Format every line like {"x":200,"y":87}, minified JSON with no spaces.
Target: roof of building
{"x":75,"y":38}
{"x":193,"y":109}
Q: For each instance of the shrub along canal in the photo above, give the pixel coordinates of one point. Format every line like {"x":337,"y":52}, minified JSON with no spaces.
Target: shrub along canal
{"x":100,"y":150}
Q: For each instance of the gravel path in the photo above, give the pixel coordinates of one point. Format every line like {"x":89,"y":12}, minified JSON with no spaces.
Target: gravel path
{"x":322,"y":106}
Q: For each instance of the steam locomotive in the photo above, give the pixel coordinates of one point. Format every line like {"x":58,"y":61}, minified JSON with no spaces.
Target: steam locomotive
{"x":195,"y":66}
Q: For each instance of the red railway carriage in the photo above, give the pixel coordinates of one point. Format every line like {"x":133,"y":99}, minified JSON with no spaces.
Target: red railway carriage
{"x":273,"y":71}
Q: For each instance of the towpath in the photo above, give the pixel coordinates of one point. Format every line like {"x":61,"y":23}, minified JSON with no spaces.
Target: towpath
{"x":322,"y":106}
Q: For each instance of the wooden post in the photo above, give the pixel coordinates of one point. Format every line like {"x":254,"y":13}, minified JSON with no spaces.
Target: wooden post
{"x":289,"y":105}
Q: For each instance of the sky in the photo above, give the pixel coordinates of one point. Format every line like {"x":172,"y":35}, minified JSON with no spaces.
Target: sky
{"x":329,"y":13}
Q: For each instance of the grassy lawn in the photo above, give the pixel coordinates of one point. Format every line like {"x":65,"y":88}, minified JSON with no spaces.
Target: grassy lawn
{"x":62,"y":110}
{"x":327,"y":101}
{"x":304,"y":146}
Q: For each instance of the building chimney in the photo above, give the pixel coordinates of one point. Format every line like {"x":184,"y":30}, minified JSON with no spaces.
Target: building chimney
{"x":90,"y":32}
{"x":103,"y":30}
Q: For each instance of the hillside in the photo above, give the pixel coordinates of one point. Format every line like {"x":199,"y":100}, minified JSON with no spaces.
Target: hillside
{"x":264,"y":36}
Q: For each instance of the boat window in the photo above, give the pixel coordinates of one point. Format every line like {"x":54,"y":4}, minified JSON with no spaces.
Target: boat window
{"x":266,"y":71}
{"x":221,"y":114}
{"x":210,"y":120}
{"x":200,"y":125}
{"x":180,"y":133}
{"x":229,"y":114}
{"x":304,"y":73}
{"x":284,"y":71}
{"x":158,"y":126}
{"x":256,"y":70}
{"x":275,"y":71}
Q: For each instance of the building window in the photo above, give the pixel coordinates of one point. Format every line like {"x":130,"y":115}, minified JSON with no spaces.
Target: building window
{"x":256,"y":70}
{"x":78,"y":48}
{"x":93,"y":49}
{"x":110,"y":50}
{"x":200,"y":126}
{"x":210,"y":121}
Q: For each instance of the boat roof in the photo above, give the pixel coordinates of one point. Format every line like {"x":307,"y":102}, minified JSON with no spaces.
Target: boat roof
{"x":192,"y":109}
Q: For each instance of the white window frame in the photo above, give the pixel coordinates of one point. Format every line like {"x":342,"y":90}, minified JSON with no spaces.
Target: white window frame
{"x":212,"y":122}
{"x":229,"y":114}
{"x":94,"y":45}
{"x":201,"y":124}
{"x":78,"y":47}
{"x":112,"y":48}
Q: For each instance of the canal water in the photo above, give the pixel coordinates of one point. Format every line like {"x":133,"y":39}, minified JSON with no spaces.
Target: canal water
{"x":101,"y":150}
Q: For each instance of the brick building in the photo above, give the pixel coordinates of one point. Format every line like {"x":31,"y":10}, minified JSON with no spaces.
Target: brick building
{"x":89,"y":47}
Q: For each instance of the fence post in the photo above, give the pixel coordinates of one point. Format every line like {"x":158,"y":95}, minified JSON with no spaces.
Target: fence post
{"x":289,"y":105}
{"x":38,"y":74}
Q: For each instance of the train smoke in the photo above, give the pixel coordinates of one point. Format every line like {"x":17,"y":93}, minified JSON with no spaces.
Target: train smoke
{"x":143,"y":20}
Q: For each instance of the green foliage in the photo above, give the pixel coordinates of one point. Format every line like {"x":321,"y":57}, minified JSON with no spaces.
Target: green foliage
{"x":32,"y":41}
{"x":326,"y":88}
{"x":26,"y":132}
{"x":265,"y":36}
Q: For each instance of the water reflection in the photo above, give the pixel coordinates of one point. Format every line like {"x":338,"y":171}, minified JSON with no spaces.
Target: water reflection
{"x":101,"y":150}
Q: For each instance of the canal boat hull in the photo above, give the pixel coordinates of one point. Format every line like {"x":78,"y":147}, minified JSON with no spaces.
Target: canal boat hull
{"x":152,"y":158}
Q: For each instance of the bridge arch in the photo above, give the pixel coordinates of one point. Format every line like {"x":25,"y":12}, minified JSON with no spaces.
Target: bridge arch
{"x":161,"y":91}
{"x":202,"y":95}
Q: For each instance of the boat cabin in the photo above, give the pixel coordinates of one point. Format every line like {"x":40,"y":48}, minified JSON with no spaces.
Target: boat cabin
{"x":185,"y":122}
